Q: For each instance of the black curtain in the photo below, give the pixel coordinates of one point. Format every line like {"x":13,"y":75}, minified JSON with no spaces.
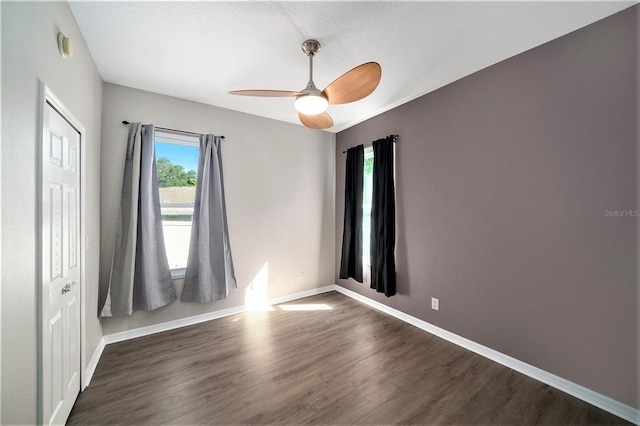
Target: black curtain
{"x":351,"y":261}
{"x":383,"y":219}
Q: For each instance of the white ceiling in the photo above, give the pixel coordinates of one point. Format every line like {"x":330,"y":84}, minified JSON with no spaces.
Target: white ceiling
{"x":200,"y":50}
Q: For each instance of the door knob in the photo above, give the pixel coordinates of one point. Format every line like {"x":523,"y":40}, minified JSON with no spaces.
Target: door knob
{"x":66,"y":288}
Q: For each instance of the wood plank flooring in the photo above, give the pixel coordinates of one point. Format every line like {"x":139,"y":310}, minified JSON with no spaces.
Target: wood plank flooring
{"x":346,"y":365}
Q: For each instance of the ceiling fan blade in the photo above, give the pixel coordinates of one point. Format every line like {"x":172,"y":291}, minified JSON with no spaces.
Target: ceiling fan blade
{"x":355,"y":84}
{"x":266,"y":93}
{"x":318,"y":121}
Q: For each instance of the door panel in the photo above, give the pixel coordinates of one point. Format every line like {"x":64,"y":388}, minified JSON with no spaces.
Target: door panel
{"x":60,"y":267}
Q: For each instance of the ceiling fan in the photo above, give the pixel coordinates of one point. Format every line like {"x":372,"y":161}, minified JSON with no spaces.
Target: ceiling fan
{"x":312,"y":103}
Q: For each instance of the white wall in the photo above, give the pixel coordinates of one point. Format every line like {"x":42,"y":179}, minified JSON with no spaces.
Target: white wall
{"x":30,"y":55}
{"x":279,"y":183}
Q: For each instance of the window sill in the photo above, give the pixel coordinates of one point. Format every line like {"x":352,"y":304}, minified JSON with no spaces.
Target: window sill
{"x":178,"y":273}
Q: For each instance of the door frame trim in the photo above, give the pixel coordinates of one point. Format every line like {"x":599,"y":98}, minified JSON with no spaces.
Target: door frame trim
{"x":46,"y":96}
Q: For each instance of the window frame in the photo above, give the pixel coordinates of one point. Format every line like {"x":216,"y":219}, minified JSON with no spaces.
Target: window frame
{"x":366,"y":261}
{"x":177,"y":138}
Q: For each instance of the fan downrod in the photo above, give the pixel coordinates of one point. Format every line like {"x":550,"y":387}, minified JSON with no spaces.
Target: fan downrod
{"x":311,"y":47}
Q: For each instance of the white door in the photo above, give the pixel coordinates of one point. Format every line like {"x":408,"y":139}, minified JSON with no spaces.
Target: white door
{"x":61,"y":252}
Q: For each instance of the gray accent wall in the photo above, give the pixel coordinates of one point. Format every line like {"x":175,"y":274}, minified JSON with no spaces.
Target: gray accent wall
{"x":279,"y":183}
{"x":504,"y":179}
{"x":638,"y":207}
{"x":30,"y":55}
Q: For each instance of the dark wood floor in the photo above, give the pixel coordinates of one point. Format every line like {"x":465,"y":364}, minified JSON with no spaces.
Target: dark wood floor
{"x":347,"y":365}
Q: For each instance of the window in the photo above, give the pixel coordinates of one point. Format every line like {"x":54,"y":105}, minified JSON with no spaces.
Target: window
{"x":367,"y":187}
{"x":177,"y":166}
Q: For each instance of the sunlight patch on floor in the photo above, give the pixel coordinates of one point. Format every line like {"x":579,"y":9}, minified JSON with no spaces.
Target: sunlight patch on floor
{"x":306,"y":307}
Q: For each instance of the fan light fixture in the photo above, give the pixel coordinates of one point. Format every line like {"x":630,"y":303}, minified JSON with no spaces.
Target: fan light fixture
{"x":311,"y":104}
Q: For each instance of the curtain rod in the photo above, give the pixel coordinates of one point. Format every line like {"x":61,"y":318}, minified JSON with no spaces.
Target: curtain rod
{"x":395,"y":138}
{"x":172,"y":130}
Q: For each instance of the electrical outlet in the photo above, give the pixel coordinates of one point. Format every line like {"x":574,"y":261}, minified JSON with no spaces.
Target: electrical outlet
{"x":435,"y":304}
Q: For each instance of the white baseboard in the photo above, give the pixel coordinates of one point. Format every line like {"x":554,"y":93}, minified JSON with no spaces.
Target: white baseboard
{"x":594,"y":398}
{"x":93,"y":363}
{"x":170,"y":325}
{"x":183,"y":322}
{"x":302,"y":294}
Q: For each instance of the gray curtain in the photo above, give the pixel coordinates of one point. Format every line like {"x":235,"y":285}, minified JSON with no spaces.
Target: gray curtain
{"x":140,"y":277}
{"x":210,"y":275}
